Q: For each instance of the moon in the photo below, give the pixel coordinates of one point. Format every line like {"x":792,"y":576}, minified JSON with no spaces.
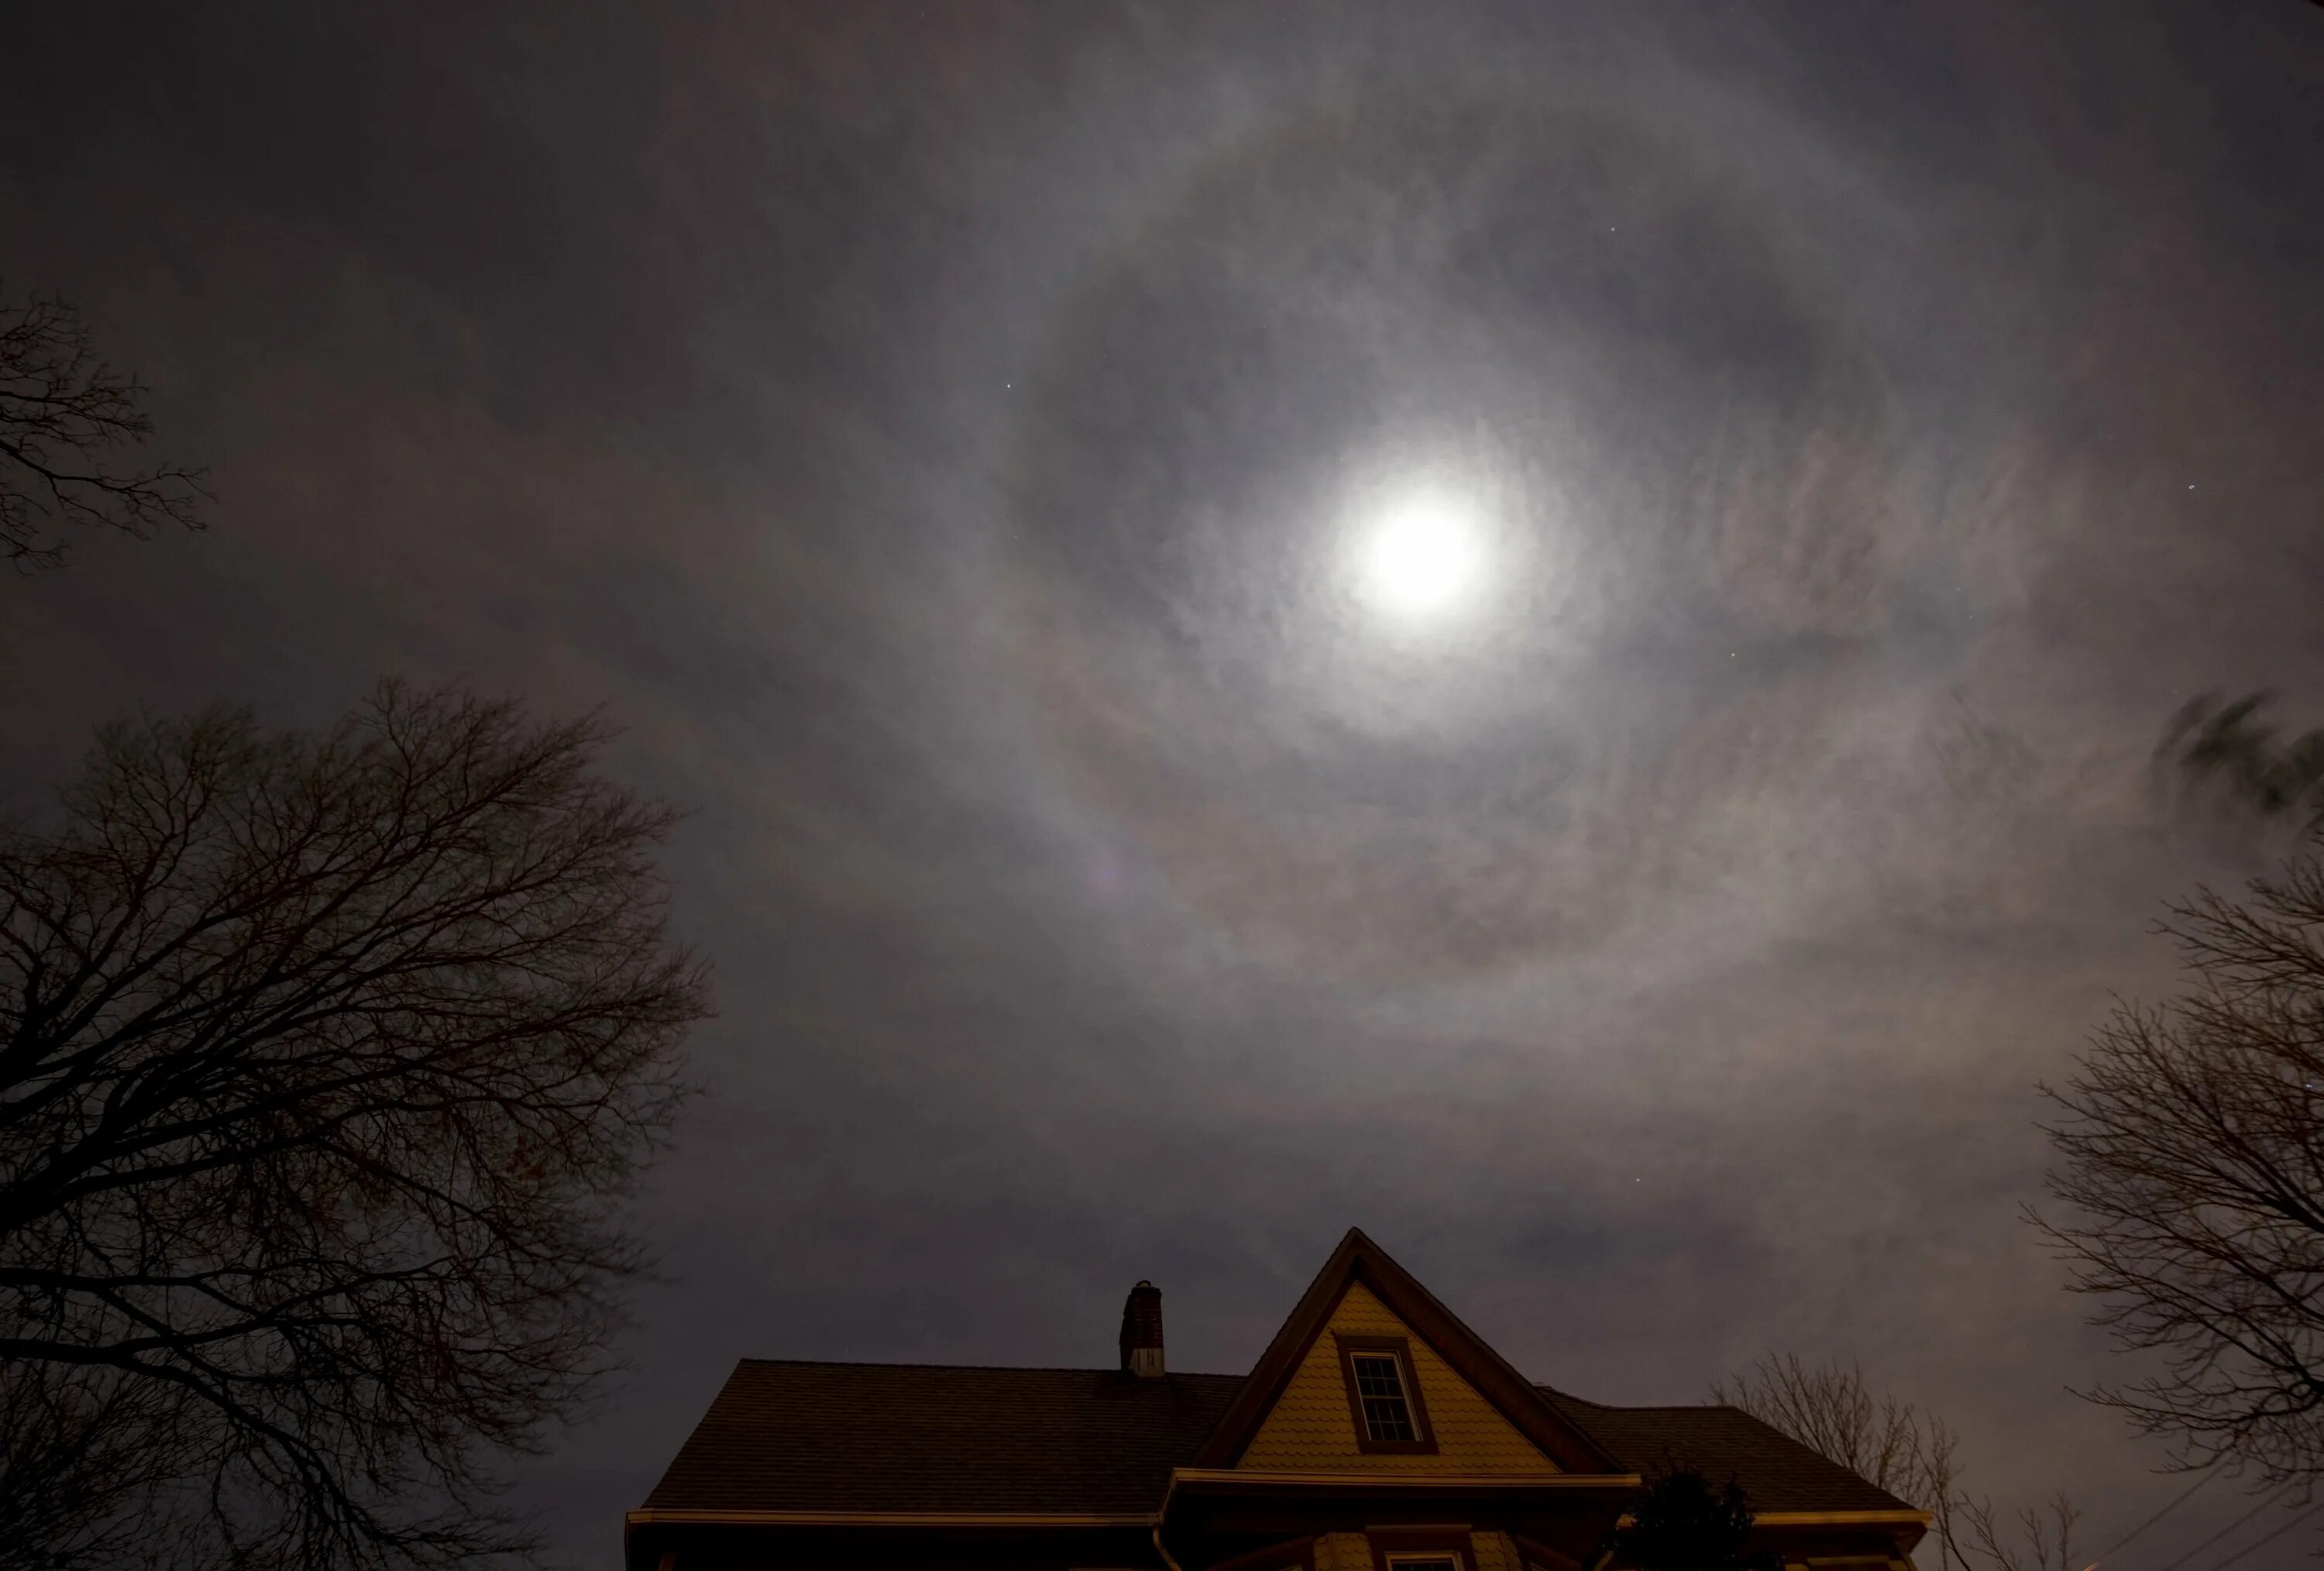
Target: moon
{"x":1421,"y":557}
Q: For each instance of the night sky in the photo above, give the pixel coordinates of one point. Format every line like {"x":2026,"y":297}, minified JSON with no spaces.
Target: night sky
{"x":958,"y":443}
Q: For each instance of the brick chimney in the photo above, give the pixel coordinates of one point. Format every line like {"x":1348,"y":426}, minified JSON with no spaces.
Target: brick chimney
{"x":1141,"y":1332}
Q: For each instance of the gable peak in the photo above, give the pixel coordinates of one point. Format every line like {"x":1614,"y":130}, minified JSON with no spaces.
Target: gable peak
{"x":1359,"y":1259}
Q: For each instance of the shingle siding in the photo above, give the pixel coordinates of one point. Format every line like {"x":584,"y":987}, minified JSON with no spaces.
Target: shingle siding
{"x":1492,"y":1552}
{"x":1310,"y":1428}
{"x":1343,"y":1552}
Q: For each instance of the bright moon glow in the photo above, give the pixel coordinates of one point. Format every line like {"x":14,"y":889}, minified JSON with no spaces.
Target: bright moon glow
{"x":1422,"y":558}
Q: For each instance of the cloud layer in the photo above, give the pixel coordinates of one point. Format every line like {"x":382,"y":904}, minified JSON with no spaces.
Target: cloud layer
{"x":932,"y":442}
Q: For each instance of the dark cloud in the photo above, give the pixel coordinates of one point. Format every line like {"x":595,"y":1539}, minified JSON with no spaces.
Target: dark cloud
{"x":933,"y":434}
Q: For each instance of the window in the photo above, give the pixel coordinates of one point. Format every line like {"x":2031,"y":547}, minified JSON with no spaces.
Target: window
{"x":1384,"y":1400}
{"x":1379,"y":1386}
{"x":1419,"y":1548}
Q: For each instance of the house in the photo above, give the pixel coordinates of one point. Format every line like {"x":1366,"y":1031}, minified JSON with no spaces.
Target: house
{"x":1376,"y":1433}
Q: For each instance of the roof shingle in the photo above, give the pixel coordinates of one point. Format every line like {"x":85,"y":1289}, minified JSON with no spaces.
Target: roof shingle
{"x":1778,"y":1473}
{"x":787,"y":1436}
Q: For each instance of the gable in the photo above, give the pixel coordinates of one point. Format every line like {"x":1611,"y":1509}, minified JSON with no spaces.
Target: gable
{"x":1312,"y":1427}
{"x":1472,"y":1377}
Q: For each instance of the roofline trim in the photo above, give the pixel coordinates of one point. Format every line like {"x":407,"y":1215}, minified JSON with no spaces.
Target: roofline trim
{"x":1842,"y":1518}
{"x":1198,"y":1476}
{"x":1369,"y":1479}
{"x":654,"y":1517}
{"x":969,"y":1368}
{"x":1373,"y":1481}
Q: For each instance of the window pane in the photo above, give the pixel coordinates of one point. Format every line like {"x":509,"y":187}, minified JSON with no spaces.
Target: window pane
{"x":1380,"y":1387}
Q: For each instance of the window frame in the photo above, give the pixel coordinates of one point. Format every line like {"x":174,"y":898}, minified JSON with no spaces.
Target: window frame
{"x":1424,"y":1440}
{"x":1392,"y":1546}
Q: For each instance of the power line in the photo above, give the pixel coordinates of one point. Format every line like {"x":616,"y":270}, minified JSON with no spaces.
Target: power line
{"x":2185,"y":1494}
{"x":2266,"y":1500}
{"x":2279,"y":1533}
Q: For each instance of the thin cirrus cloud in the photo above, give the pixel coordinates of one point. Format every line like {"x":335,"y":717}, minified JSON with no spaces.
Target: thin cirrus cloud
{"x":941,"y":448}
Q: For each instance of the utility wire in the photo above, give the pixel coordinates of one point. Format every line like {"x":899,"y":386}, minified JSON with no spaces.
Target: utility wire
{"x":2265,"y":1500}
{"x":2182,"y":1497}
{"x":2279,"y":1533}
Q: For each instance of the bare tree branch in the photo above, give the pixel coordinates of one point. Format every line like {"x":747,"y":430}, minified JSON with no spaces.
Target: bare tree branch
{"x":2043,"y":1540}
{"x":63,"y":412}
{"x":2190,"y":1147}
{"x":1908,"y":1451}
{"x":325,"y":1061}
{"x":1834,"y":1411}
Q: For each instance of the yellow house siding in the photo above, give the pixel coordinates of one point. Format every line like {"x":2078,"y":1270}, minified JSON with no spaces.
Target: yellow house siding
{"x":1353,"y":1552}
{"x":1493,"y":1552}
{"x":1310,"y":1428}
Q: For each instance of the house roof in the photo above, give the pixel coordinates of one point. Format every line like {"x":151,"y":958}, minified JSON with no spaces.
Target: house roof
{"x":872,"y":1437}
{"x":789,"y":1437}
{"x":1778,"y":1473}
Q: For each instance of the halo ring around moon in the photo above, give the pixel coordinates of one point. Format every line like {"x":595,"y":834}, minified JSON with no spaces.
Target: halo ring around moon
{"x":1213,"y":370}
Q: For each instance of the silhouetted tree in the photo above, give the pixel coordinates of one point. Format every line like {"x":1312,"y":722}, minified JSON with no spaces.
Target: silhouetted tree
{"x":2043,"y":1540}
{"x":1833,"y":1412}
{"x":1906,"y":1450}
{"x":77,"y":1460}
{"x":63,"y":414}
{"x":2189,"y":1145}
{"x":323,"y":1061}
{"x":1680,"y":1522}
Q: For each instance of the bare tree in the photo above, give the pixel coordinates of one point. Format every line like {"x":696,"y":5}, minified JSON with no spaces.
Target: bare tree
{"x":325,"y":1061}
{"x":79,"y":1459}
{"x":2190,"y":1147}
{"x":2048,"y":1535}
{"x":1908,"y":1451}
{"x":63,"y":414}
{"x":1832,"y":1412}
